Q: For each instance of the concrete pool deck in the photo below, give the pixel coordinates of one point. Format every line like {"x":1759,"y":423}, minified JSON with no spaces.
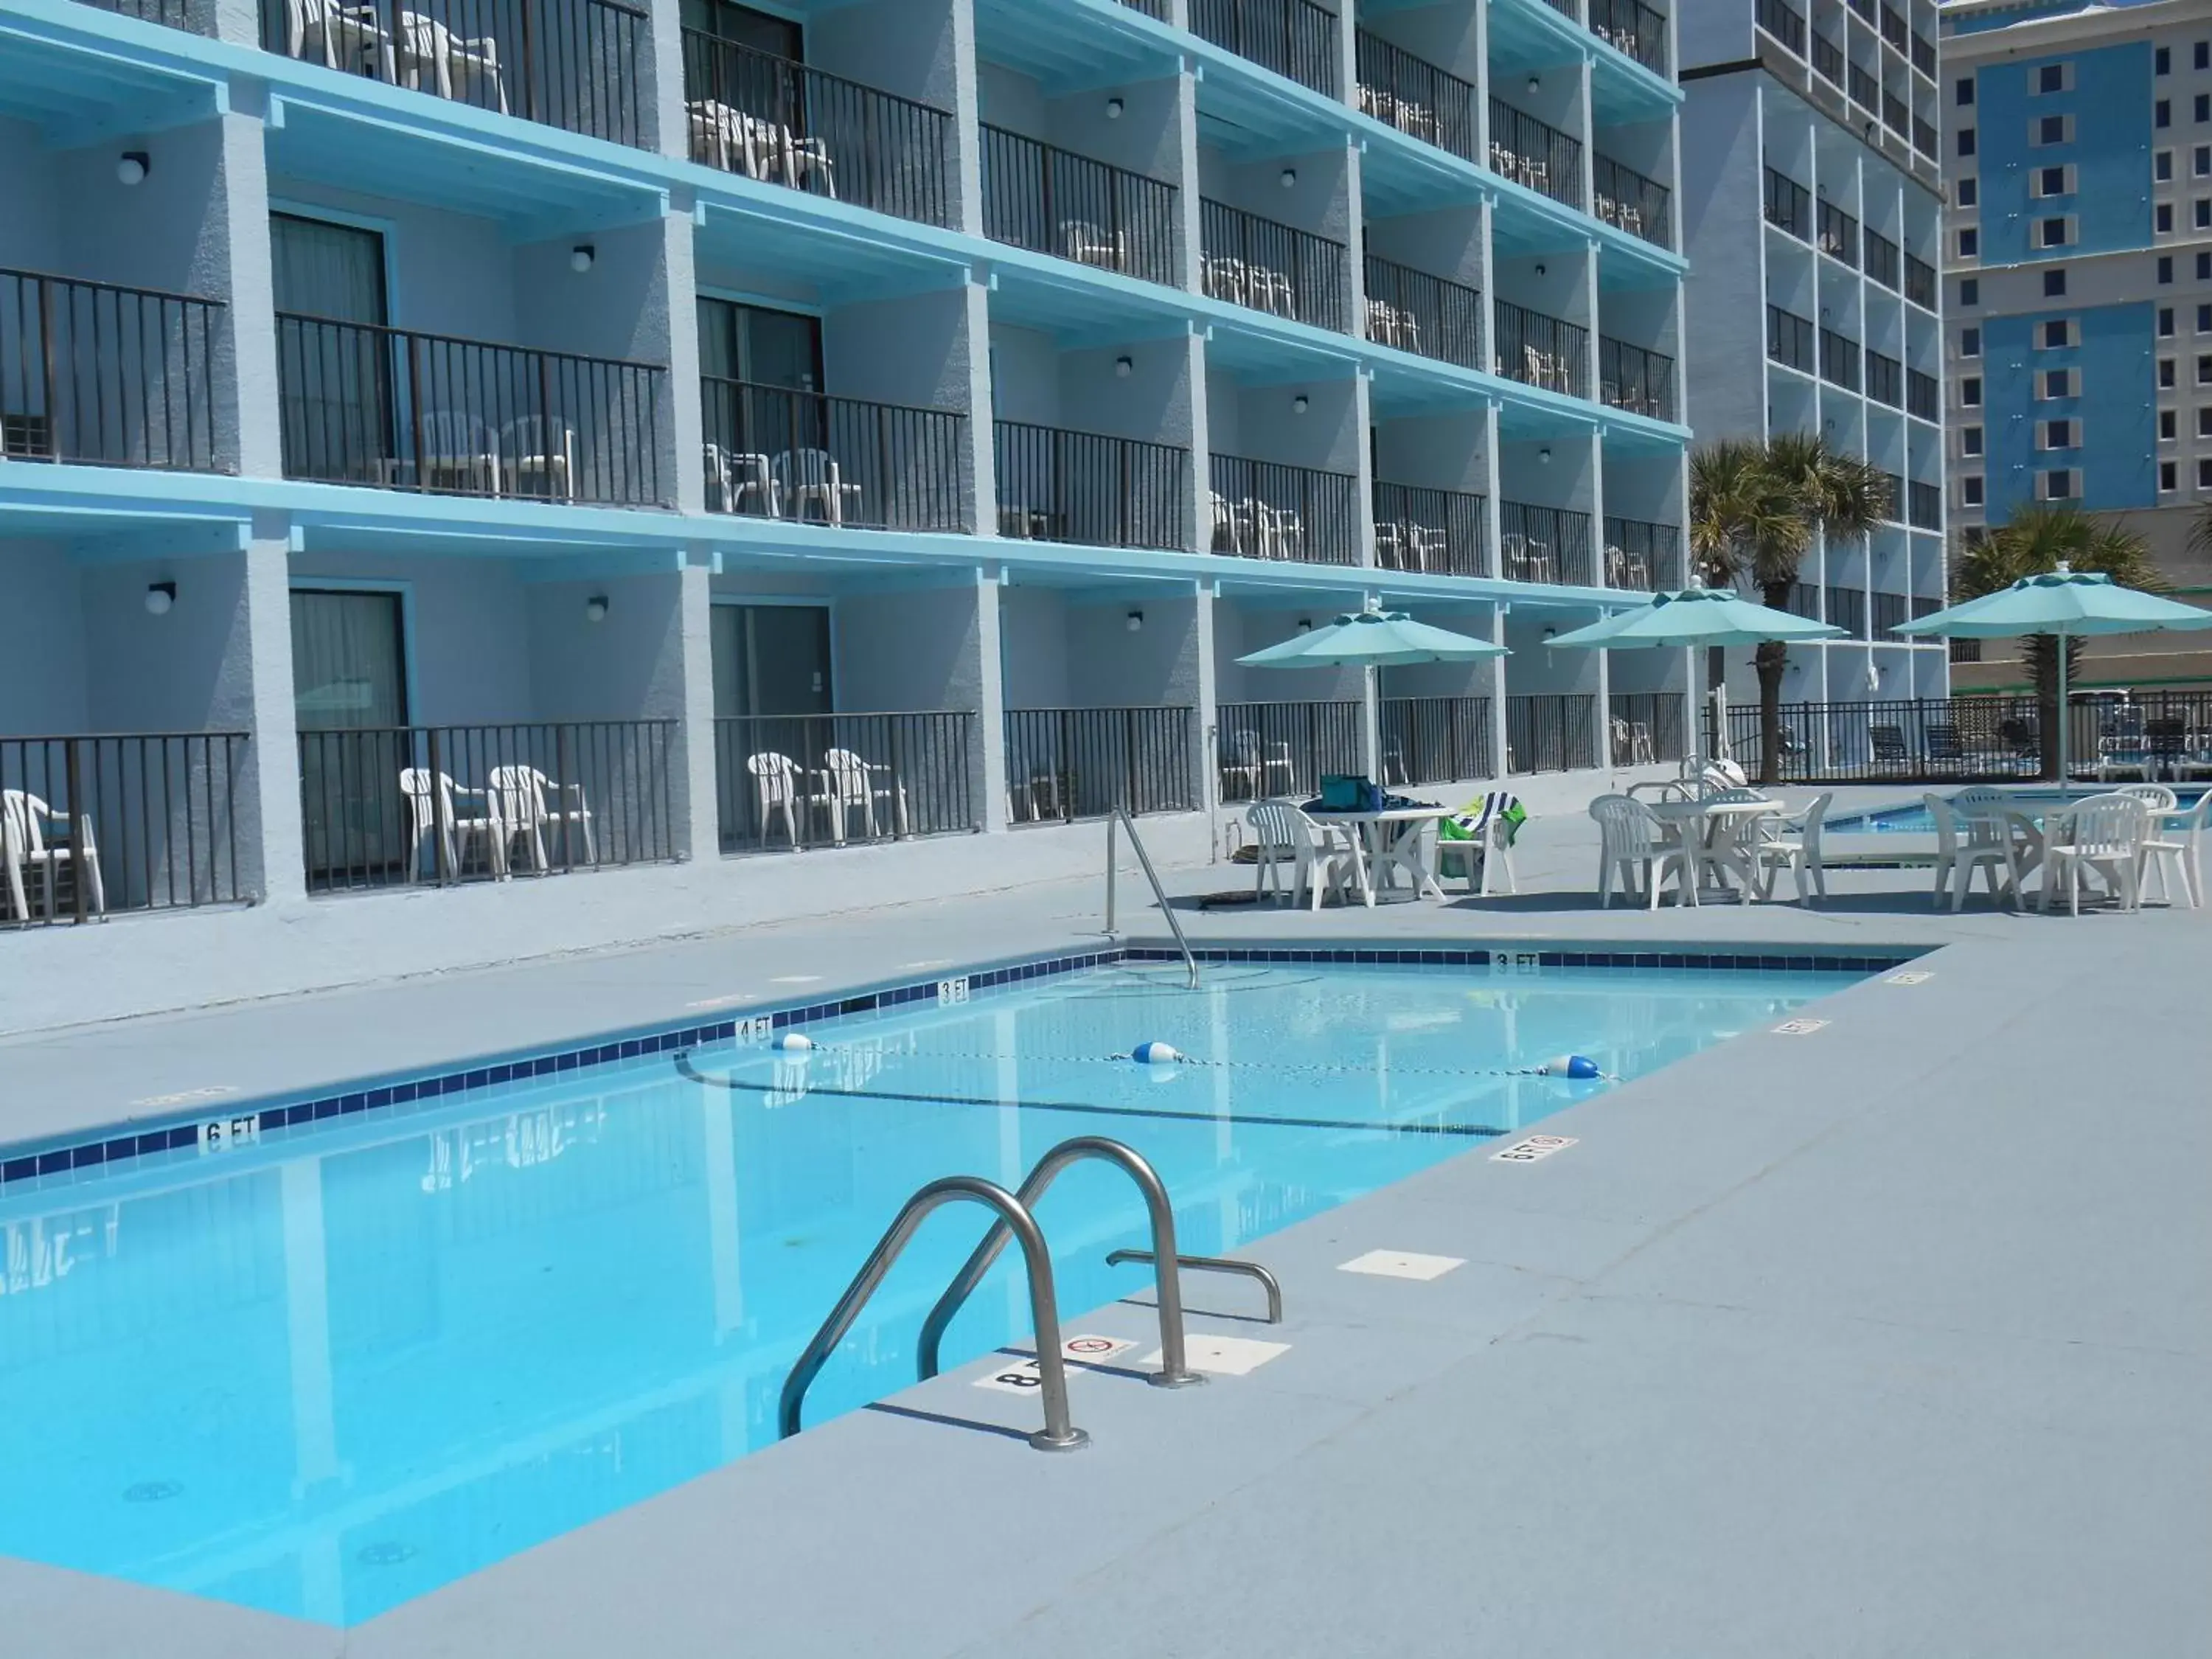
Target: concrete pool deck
{"x":1889,"y":1338}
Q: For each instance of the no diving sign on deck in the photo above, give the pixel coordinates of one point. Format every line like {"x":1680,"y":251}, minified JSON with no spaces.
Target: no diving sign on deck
{"x":1532,"y":1148}
{"x":1026,"y":1377}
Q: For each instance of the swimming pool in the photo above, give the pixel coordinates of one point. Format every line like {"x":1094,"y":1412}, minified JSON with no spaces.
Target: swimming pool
{"x":328,"y":1372}
{"x":1912,"y":817}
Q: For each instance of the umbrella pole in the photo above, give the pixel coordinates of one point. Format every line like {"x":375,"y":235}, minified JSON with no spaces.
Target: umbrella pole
{"x":1371,"y":723}
{"x":2065,"y":776}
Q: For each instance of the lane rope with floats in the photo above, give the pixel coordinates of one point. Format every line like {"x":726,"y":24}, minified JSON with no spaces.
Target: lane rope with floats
{"x":1578,"y":1068}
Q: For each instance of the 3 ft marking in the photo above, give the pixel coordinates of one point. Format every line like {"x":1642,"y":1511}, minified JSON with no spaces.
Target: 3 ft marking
{"x":229,"y":1134}
{"x":950,"y":991}
{"x":1514,"y":961}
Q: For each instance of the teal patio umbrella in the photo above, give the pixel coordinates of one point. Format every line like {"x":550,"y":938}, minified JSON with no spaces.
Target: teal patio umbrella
{"x":1373,"y":639}
{"x":2067,"y":603}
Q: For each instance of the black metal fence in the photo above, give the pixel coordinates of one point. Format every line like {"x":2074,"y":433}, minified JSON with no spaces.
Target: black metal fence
{"x":177,"y":14}
{"x":399,"y":410}
{"x":1980,"y":739}
{"x":778,"y":452}
{"x":1555,"y":732}
{"x":1295,"y":38}
{"x":1430,"y":315}
{"x":1436,"y":531}
{"x":770,"y":119}
{"x":1053,"y":201}
{"x":1068,"y":764}
{"x":1784,"y":22}
{"x":1920,"y":282}
{"x":1921,"y":396}
{"x":1827,"y":60}
{"x":1788,"y":204}
{"x":1883,"y":263}
{"x":1278,"y":749}
{"x":578,"y":65}
{"x":1270,"y":267}
{"x":1838,"y":236}
{"x":1534,"y":153}
{"x":388,"y":806}
{"x":97,"y":823}
{"x":1055,"y":485}
{"x":1543,"y":350}
{"x":1924,"y":505}
{"x":1268,"y":510}
{"x":1847,"y":610}
{"x":1415,"y":96}
{"x":1647,"y":727}
{"x":1632,"y":27}
{"x":1434,"y":739}
{"x":793,"y":780}
{"x":1154,"y":8}
{"x":1641,"y":206}
{"x":1544,"y":545}
{"x":1839,"y":360}
{"x":1645,"y":557}
{"x":94,"y":373}
{"x":1631,"y":378}
{"x":1865,"y":90}
{"x":1885,"y":379}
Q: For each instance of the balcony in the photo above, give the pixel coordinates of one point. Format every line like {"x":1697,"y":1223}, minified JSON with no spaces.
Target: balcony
{"x":394,"y":409}
{"x":1828,"y":60}
{"x":1890,"y":611}
{"x":1789,"y":338}
{"x":1864,"y":9}
{"x":95,"y":374}
{"x":1157,"y":9}
{"x":1438,"y":532}
{"x":1087,"y":488}
{"x":1885,"y":379}
{"x":1894,"y":29}
{"x":1924,"y":138}
{"x":1633,"y":29}
{"x":1257,"y":263}
{"x":1535,"y":154}
{"x":1922,"y":396}
{"x":1839,"y":234}
{"x":1784,"y":22}
{"x":1923,"y":56}
{"x":1893,"y":508}
{"x":1541,"y":351}
{"x":1789,"y":205}
{"x":1965,"y":650}
{"x":1882,"y":258}
{"x":1053,"y":201}
{"x":1866,"y":92}
{"x":776,"y":452}
{"x":1920,"y":282}
{"x":1646,"y":558}
{"x":1268,"y":510}
{"x":1847,"y":610}
{"x":1924,"y":505}
{"x":1424,"y":315}
{"x":1839,"y":360}
{"x":1434,"y":739}
{"x":786,"y":782}
{"x":1416,"y":97}
{"x":1295,"y":38}
{"x":580,"y":66}
{"x":1287,"y":747}
{"x":1632,"y":202}
{"x":781,"y":122}
{"x":1550,"y":733}
{"x":1647,"y":728}
{"x":1639,"y":381}
{"x":1545,"y":545}
{"x":1803,"y":599}
{"x":1066,"y":764}
{"x":1895,"y":116}
{"x":177,"y":14}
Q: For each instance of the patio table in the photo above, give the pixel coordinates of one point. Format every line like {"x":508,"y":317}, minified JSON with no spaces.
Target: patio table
{"x":2023,"y":856}
{"x":1721,"y":828}
{"x":1386,"y":841}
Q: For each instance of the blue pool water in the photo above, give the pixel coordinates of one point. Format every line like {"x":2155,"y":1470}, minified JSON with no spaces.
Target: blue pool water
{"x":1912,"y":818}
{"x":332,"y":1372}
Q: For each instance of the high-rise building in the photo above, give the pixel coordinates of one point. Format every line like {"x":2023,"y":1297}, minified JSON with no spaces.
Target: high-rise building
{"x":1811,"y":218}
{"x":2077,"y":141}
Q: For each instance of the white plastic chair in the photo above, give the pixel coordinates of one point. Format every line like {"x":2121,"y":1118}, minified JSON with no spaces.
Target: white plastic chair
{"x":24,"y":846}
{"x":813,"y":475}
{"x":346,"y":35}
{"x":430,"y":800}
{"x":1283,"y":832}
{"x":1635,"y":849}
{"x":858,"y":785}
{"x":740,"y":476}
{"x":1960,"y":852}
{"x":457,"y":449}
{"x":519,"y":800}
{"x":1232,"y":524}
{"x":778,"y":788}
{"x":2182,"y":847}
{"x":2106,"y":833}
{"x":1796,"y":849}
{"x":1488,"y":851}
{"x":533,"y":445}
{"x":423,"y":39}
{"x":1088,"y":244}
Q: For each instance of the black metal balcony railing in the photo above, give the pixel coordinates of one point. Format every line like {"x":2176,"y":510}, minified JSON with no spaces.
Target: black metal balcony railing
{"x":1155,"y":9}
{"x":1924,"y":505}
{"x":1882,"y":258}
{"x":1895,"y":116}
{"x":1839,"y":234}
{"x":1894,"y":29}
{"x":1784,"y":22}
{"x":1924,"y":137}
{"x":1415,"y":96}
{"x":1789,"y":205}
{"x":1266,"y":510}
{"x":1847,"y":611}
{"x":1541,"y":351}
{"x":782,"y":453}
{"x":1890,"y":611}
{"x":1556,"y":733}
{"x":1286,"y":273}
{"x":391,"y":807}
{"x":1839,"y":360}
{"x":1925,"y":606}
{"x":1631,"y":378}
{"x":1885,"y":379}
{"x":1637,"y":205}
{"x":1863,"y":8}
{"x":1070,"y":763}
{"x":397,"y":410}
{"x":1827,"y":60}
{"x":1965,"y":650}
{"x":1055,"y":485}
{"x":1893,"y":505}
{"x":793,"y":780}
{"x":1285,"y":749}
{"x":1865,"y":90}
{"x":1644,"y":557}
{"x":770,"y":119}
{"x":1535,"y":154}
{"x":1434,"y":740}
{"x":1647,"y":727}
{"x":1632,"y":27}
{"x":1544,"y":545}
{"x":1438,"y":532}
{"x":96,"y":824}
{"x":97,"y":374}
{"x":1789,"y":338}
{"x":1803,"y":600}
{"x":581,"y":65}
{"x":1053,"y":201}
{"x":1295,"y":38}
{"x":1430,"y":315}
{"x":1923,"y":56}
{"x":1920,"y":282}
{"x":1922,"y":395}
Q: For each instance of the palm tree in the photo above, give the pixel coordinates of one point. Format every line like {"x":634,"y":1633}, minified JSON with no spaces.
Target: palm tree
{"x":2038,"y":538}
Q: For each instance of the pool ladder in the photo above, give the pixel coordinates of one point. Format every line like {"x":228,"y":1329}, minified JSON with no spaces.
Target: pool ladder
{"x":1016,"y":1222}
{"x":1119,"y":818}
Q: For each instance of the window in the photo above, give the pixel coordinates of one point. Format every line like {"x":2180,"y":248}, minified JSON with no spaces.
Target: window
{"x":2165,"y":268}
{"x":1965,"y":141}
{"x":2054,"y":77}
{"x":1970,"y":290}
{"x":1969,"y":492}
{"x":1970,"y":243}
{"x":2167,"y":480}
{"x":2165,"y":218}
{"x":2056,"y":233}
{"x":2054,"y":284}
{"x":2057,"y":434}
{"x":2056,"y":483}
{"x":2052,"y":130}
{"x":2161,"y":167}
{"x":2200,"y":161}
{"x":2204,"y":319}
{"x":2058,"y":334}
{"x":2166,"y":322}
{"x":2203,"y":422}
{"x":2054,"y":181}
{"x":1966,"y":91}
{"x":1970,"y":440}
{"x":2204,"y":267}
{"x":1970,"y":343}
{"x":2057,"y":383}
{"x":1969,"y":193}
{"x":2161,"y":114}
{"x":2166,"y":380}
{"x":2203,"y":55}
{"x":2201,"y":214}
{"x":2166,"y":425}
{"x":2204,"y":108}
{"x":2204,"y":368}
{"x":2165,"y":61}
{"x":2204,"y":474}
{"x":1970,"y":392}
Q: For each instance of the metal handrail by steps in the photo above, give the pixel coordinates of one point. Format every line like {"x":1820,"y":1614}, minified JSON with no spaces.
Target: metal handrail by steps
{"x":1217,"y":1264}
{"x":1121,"y":818}
{"x":1174,"y":1372}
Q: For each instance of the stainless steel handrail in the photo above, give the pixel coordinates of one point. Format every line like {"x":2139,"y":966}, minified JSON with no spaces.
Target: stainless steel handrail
{"x":1217,"y":1264}
{"x":1120,"y":815}
{"x":1058,"y":1433}
{"x":1175,"y":1371}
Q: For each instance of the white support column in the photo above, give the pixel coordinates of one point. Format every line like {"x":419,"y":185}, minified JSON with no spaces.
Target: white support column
{"x":982,"y":464}
{"x":671,"y":130}
{"x":989,"y":772}
{"x":1499,"y":766}
{"x":1355,"y":240}
{"x":1494,"y":482}
{"x":686,"y":425}
{"x":1363,"y":414}
{"x":1209,"y":708}
{"x":1186,"y":179}
{"x":269,"y":790}
{"x":701,"y":818}
{"x":249,"y":429}
{"x":967,"y":123}
{"x":1200,"y":492}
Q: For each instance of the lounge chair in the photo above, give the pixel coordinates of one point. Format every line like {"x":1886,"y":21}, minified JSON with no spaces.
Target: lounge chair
{"x":1888,"y":746}
{"x":35,"y":838}
{"x":2106,"y":833}
{"x":1635,"y":849}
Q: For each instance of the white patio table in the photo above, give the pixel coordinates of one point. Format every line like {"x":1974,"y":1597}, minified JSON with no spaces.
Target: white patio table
{"x":1389,"y":841}
{"x":1720,"y":827}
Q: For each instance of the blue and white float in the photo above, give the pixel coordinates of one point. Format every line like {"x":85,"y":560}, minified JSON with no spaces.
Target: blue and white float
{"x":791,"y":1043}
{"x":1154,"y":1054}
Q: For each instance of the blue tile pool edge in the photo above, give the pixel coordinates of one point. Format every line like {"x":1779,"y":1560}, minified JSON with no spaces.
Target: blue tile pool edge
{"x":58,"y":1159}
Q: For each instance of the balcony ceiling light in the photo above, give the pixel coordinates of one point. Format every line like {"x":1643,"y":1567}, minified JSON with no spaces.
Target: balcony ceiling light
{"x":581,"y":257}
{"x":133,"y":166}
{"x":160,"y":596}
{"x":1113,"y":108}
{"x":1300,"y":404}
{"x":1123,"y":367}
{"x":1290,"y":177}
{"x":1136,"y":621}
{"x":595,"y":608}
